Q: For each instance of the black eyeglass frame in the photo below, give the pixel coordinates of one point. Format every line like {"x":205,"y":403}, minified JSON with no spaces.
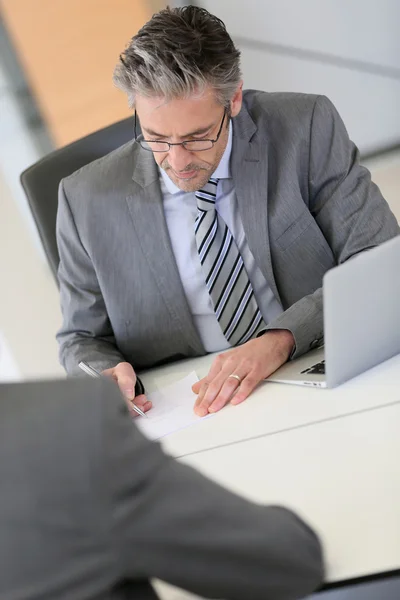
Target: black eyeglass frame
{"x":213,"y":141}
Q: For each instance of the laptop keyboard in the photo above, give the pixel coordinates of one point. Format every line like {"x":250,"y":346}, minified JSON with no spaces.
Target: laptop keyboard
{"x":317,"y":369}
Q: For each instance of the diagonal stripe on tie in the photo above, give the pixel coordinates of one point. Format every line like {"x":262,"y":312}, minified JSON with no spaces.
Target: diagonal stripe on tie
{"x":229,"y":287}
{"x":210,"y":223}
{"x":225,"y":275}
{"x":219,"y":260}
{"x":256,"y":321}
{"x":243,"y":303}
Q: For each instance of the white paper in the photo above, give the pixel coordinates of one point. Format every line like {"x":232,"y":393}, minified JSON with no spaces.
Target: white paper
{"x":172,"y":409}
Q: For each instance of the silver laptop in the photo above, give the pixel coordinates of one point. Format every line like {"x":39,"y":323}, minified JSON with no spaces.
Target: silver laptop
{"x":361,"y":320}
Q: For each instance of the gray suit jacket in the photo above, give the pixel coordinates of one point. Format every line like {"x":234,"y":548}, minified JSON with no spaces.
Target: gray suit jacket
{"x":90,"y":509}
{"x":305,"y":202}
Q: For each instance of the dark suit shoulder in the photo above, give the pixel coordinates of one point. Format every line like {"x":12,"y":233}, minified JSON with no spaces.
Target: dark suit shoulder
{"x":54,"y":507}
{"x":281,"y":115}
{"x":282,"y":104}
{"x":55,"y":398}
{"x":99,"y":176}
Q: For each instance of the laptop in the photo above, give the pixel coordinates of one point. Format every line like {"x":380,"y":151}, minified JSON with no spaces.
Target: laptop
{"x":361,"y":300}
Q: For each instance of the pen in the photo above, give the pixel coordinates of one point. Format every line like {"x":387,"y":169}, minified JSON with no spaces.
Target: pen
{"x":93,"y":373}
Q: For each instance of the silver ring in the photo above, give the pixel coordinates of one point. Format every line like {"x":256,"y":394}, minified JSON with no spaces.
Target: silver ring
{"x":234,"y":376}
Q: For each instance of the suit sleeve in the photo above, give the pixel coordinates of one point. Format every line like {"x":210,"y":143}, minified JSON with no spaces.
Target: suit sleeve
{"x":348,"y":208}
{"x":86,"y":333}
{"x":170,"y":522}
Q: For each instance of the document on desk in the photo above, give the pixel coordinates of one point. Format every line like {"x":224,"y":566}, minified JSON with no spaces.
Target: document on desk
{"x":172,"y":409}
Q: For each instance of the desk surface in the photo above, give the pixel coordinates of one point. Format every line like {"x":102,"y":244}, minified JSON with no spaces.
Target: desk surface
{"x":275,"y":407}
{"x":331,"y":455}
{"x":342,"y":476}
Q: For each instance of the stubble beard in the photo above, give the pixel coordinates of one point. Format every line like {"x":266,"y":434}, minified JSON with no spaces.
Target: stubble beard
{"x":203,"y":173}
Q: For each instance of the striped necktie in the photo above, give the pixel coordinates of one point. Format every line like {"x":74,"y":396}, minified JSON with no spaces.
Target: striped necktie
{"x":226,"y":278}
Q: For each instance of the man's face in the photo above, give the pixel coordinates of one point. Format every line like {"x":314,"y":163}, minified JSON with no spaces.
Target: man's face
{"x":183,"y":119}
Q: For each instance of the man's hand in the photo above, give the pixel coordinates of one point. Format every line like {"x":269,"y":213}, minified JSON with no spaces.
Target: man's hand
{"x":125,"y":377}
{"x":250,"y":363}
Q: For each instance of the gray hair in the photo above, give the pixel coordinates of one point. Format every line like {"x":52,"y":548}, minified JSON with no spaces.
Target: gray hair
{"x":178,"y":53}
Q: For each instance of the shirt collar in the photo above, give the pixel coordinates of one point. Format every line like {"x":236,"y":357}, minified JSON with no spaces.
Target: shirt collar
{"x":223,"y":170}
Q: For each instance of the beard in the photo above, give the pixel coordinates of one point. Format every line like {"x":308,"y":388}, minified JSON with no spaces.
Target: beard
{"x":201,"y":174}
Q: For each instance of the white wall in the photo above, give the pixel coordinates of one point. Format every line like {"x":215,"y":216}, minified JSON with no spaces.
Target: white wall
{"x":29,"y":305}
{"x":17,"y":152}
{"x":348,"y":50}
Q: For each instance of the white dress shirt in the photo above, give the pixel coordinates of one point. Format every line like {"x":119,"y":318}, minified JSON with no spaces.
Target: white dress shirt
{"x":180,"y":210}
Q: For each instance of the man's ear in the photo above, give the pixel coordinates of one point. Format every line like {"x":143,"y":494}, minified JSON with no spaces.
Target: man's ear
{"x":236,"y":102}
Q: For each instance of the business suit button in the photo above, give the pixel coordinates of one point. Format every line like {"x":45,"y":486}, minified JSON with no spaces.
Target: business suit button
{"x":314,"y":344}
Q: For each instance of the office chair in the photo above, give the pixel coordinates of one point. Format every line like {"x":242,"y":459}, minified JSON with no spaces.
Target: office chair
{"x":40,"y":181}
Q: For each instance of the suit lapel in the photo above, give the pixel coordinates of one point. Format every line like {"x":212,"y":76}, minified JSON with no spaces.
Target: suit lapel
{"x":147,"y":212}
{"x":250,"y":175}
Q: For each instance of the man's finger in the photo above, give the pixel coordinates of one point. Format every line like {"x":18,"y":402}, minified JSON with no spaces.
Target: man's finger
{"x":217,"y":365}
{"x":248,"y":384}
{"x":144,"y":407}
{"x":202,"y":388}
{"x":126,"y":379}
{"x":141,"y":400}
{"x":215,"y":369}
{"x":127,"y":386}
{"x":197,"y":386}
{"x":228,"y":389}
{"x":211,"y":392}
{"x":199,"y":399}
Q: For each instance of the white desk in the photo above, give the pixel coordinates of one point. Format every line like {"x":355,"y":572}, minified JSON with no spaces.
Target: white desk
{"x":331,"y":455}
{"x":275,"y":407}
{"x":342,"y":476}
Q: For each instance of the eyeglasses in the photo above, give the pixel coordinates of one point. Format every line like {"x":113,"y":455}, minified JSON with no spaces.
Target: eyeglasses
{"x":190,"y":145}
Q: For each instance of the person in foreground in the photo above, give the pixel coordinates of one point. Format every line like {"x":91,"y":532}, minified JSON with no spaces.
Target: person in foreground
{"x":211,"y":231}
{"x":90,"y":509}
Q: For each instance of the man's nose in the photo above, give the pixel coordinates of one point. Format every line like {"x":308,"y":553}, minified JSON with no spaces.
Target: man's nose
{"x":179,"y":157}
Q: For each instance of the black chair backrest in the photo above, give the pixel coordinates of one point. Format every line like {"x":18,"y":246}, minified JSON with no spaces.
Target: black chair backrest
{"x":41,"y":180}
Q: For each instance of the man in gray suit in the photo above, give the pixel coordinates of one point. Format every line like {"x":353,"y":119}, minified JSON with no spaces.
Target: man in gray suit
{"x":90,"y":509}
{"x":214,"y":227}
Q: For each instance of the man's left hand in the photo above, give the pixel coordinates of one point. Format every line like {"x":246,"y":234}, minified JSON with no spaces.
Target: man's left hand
{"x":250,"y":363}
